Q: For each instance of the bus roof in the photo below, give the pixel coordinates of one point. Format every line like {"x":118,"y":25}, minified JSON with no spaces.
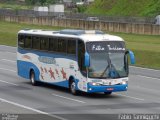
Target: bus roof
{"x":85,"y":35}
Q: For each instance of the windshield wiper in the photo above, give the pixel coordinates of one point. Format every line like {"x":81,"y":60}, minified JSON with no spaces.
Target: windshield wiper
{"x":104,"y":71}
{"x":112,"y":69}
{"x":108,"y":66}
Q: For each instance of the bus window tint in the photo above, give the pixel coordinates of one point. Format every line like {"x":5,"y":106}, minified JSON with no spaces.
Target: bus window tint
{"x":53,"y":44}
{"x":44,"y":43}
{"x":21,"y":41}
{"x":71,"y":48}
{"x":35,"y":43}
{"x":62,"y":45}
{"x":28,"y":41}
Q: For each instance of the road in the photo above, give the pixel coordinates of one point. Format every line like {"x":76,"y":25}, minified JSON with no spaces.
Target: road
{"x":18,"y":96}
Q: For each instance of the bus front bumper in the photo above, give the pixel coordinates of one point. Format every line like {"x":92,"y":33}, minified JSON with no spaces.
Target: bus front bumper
{"x":107,"y":88}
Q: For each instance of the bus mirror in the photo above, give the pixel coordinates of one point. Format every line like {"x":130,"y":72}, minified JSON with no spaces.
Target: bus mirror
{"x":87,"y":60}
{"x":132,"y":57}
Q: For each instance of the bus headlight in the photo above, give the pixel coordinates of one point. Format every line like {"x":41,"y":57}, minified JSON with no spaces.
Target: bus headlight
{"x":94,"y":83}
{"x":124,"y":82}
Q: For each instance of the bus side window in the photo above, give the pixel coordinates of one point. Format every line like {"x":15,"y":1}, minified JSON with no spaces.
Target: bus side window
{"x":21,"y":41}
{"x":35,"y":43}
{"x":71,"y":47}
{"x":44,"y":43}
{"x":62,"y":45}
{"x":28,"y":42}
{"x":53,"y":44}
{"x":81,"y":52}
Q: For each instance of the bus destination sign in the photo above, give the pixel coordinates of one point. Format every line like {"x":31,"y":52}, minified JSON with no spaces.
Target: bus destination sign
{"x":106,"y":46}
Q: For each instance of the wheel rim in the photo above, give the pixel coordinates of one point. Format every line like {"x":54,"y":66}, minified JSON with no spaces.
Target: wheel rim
{"x":32,"y":78}
{"x":73,"y":87}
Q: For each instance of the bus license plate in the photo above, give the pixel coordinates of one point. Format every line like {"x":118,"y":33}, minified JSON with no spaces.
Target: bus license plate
{"x":110,"y":89}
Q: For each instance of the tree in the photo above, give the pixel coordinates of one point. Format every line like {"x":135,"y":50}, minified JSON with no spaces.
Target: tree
{"x":41,"y":2}
{"x":51,"y":1}
{"x":31,"y":2}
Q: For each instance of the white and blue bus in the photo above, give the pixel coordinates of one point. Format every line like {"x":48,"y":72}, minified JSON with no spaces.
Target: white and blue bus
{"x":81,"y":60}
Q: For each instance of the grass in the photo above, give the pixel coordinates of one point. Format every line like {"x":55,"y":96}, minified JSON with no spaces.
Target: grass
{"x":14,"y":6}
{"x":145,"y":47}
{"x":143,"y":8}
{"x":141,"y":42}
{"x":8,"y":31}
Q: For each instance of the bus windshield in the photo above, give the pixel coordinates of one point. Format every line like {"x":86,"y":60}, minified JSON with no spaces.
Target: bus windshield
{"x":107,"y":60}
{"x":101,"y":65}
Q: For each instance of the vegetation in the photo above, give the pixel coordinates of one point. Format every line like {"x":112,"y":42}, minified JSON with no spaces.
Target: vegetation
{"x":40,"y":2}
{"x":148,"y":8}
{"x":143,"y":8}
{"x":14,"y":6}
{"x":8,"y":31}
{"x":28,"y":4}
{"x":81,"y":8}
{"x":145,"y":47}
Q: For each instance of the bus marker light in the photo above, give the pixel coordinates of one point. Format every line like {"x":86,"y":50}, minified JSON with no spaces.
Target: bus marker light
{"x":90,"y":88}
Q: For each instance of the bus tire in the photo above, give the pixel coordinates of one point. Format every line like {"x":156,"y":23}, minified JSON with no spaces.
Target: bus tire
{"x":107,"y":93}
{"x":32,"y":78}
{"x":72,"y":88}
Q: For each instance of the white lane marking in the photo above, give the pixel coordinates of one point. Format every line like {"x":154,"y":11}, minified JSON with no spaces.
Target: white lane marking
{"x":7,"y":46}
{"x":32,"y":109}
{"x":8,"y":60}
{"x":145,"y":68}
{"x":68,"y":98}
{"x":10,"y":52}
{"x":8,"y":82}
{"x":153,"y":90}
{"x":148,"y":77}
{"x":129,"y":97}
{"x":7,"y":70}
{"x":22,"y":106}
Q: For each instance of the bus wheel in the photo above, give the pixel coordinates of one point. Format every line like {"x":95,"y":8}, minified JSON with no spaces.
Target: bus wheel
{"x":73,"y":88}
{"x":107,"y":93}
{"x":32,"y":78}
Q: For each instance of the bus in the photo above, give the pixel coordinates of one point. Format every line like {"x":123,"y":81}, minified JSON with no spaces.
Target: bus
{"x":81,"y":60}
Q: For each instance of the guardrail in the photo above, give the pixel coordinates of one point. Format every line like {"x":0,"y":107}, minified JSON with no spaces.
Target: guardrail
{"x":148,"y":29}
{"x":32,"y":13}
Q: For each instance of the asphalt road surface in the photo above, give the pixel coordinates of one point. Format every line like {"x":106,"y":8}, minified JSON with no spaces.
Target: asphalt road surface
{"x":19,"y":97}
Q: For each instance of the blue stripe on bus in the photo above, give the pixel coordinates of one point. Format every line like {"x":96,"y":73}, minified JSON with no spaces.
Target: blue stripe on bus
{"x":24,"y":69}
{"x":114,"y":88}
{"x":62,"y":83}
